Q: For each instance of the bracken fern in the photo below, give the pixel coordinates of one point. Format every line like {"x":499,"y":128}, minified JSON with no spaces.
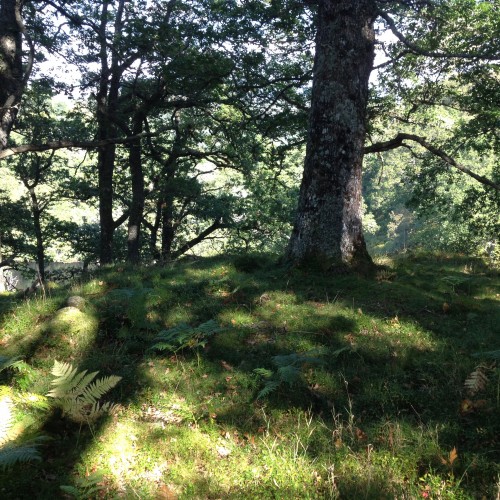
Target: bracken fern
{"x":10,"y":452}
{"x":78,"y":394}
{"x":184,"y":336}
{"x":289,"y":371}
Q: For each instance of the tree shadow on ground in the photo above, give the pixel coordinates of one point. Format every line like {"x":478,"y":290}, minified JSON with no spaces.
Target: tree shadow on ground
{"x":380,"y":375}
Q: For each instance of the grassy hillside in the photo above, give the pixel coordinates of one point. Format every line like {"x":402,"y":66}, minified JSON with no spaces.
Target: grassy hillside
{"x":306,"y":385}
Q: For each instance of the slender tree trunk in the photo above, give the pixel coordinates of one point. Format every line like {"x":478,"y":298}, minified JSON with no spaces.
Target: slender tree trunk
{"x":155,"y":227}
{"x":11,"y":68}
{"x":37,"y":226}
{"x":107,"y":104}
{"x":137,"y":205}
{"x":167,"y":225}
{"x":327,"y":228}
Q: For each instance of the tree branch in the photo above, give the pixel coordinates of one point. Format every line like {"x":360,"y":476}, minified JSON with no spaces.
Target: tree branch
{"x":9,"y":262}
{"x":429,"y":53}
{"x":66,"y":144}
{"x":190,"y":244}
{"x":123,"y":217}
{"x":398,"y":141}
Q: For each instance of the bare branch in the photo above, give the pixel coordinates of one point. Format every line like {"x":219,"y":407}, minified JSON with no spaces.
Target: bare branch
{"x":217,"y":224}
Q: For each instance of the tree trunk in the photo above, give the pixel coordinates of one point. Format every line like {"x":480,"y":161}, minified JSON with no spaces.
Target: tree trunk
{"x":167,"y":224}
{"x":107,"y":103}
{"x":40,"y":249}
{"x":11,"y":68}
{"x":154,"y":228}
{"x":327,"y":228}
{"x":137,"y":205}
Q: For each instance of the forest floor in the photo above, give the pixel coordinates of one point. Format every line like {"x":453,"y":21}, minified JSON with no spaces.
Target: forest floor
{"x":286,"y":384}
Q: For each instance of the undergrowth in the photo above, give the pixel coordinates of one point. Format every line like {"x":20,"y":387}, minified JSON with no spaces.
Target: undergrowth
{"x":243,"y":379}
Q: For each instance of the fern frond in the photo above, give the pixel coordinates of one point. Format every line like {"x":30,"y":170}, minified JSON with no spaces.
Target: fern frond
{"x":86,"y":487}
{"x":289,"y":374}
{"x":263,"y":372}
{"x":6,"y":362}
{"x":477,"y":380}
{"x":13,"y":454}
{"x":70,"y":490}
{"x":182,"y":336}
{"x":78,"y":394}
{"x":82,"y":384}
{"x":61,"y":369}
{"x":269,"y":387}
{"x":289,"y":370}
{"x":36,"y":401}
{"x":73,"y":383}
{"x":164,"y":346}
{"x":98,"y":388}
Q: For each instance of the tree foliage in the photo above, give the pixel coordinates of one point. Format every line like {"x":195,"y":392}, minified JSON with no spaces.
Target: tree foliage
{"x":192,"y":119}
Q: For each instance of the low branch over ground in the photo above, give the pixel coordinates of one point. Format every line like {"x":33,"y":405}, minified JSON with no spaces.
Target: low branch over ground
{"x":398,"y":141}
{"x":64,"y":144}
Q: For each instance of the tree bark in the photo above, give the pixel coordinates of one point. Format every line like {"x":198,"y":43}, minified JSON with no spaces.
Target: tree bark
{"x":11,"y":67}
{"x":137,"y":205}
{"x":40,"y":248}
{"x":167,"y":221}
{"x":107,"y":104}
{"x":327,"y":228}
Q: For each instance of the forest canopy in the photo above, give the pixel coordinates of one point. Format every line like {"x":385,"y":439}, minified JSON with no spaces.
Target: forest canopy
{"x":140,"y":131}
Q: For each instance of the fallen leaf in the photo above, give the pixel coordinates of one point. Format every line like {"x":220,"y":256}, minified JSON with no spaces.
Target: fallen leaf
{"x":466,"y":406}
{"x":226,"y":366}
{"x":451,"y":458}
{"x":360,"y":435}
{"x":165,"y":493}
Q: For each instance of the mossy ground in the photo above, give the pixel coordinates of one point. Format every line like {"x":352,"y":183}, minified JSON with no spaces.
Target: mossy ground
{"x":378,"y":417}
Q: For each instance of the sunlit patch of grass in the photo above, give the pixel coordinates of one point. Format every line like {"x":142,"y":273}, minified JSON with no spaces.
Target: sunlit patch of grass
{"x":21,"y":327}
{"x":69,"y":334}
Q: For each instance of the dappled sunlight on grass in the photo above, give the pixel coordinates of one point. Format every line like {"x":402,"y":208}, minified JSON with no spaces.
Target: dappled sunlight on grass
{"x":373,"y":408}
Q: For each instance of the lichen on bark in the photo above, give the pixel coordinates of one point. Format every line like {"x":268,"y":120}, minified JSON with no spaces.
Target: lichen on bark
{"x":328,"y":228}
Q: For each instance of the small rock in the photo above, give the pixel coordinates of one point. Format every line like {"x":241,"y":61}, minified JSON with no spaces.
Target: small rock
{"x":76,"y":301}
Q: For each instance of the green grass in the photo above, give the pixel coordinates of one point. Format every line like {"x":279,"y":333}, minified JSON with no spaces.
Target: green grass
{"x":378,"y":416}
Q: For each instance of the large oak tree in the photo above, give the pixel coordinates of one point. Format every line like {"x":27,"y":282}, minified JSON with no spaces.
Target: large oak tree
{"x":328,"y":224}
{"x":328,"y":228}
